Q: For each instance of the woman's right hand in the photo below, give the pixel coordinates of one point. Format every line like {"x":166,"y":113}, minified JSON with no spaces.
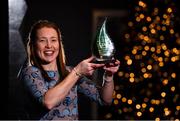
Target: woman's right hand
{"x":87,"y":67}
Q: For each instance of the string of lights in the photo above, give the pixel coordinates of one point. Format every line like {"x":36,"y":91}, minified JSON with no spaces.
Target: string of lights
{"x":148,"y":82}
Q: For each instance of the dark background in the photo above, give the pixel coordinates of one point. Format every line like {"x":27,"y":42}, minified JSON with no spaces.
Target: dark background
{"x":75,"y":19}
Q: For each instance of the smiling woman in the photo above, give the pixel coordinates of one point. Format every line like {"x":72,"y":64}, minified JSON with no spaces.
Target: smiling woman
{"x":52,"y":84}
{"x":47,"y":45}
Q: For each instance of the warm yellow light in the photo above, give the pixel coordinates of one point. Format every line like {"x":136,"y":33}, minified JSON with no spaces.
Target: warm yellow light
{"x":178,"y":107}
{"x":165,"y":81}
{"x":129,"y":101}
{"x":157,"y":119}
{"x":118,"y":96}
{"x":149,"y":67}
{"x":139,"y":113}
{"x":171,"y":31}
{"x":141,"y":36}
{"x":131,"y":74}
{"x":163,"y":94}
{"x":144,"y":105}
{"x":161,"y":64}
{"x":166,"y":53}
{"x":164,"y":47}
{"x":148,"y":19}
{"x":160,"y":59}
{"x":131,"y":79}
{"x":153,"y":101}
{"x":175,"y":50}
{"x":163,"y":28}
{"x":138,"y":106}
{"x":169,"y":10}
{"x":152,"y":25}
{"x":153,"y":49}
{"x":151,"y":109}
{"x":167,"y":112}
{"x":144,"y":28}
{"x":138,"y":19}
{"x":116,"y":101}
{"x":158,"y":18}
{"x":126,"y":57}
{"x":129,"y":61}
{"x":173,"y":88}
{"x":158,"y":51}
{"x":141,"y":16}
{"x":134,"y":51}
{"x":167,"y":22}
{"x":165,"y":16}
{"x":142,"y":4}
{"x":173,"y":59}
{"x":157,"y":102}
{"x":124,"y":99}
{"x":144,"y":53}
{"x":146,"y":38}
{"x":173,"y":75}
{"x":143,"y":70}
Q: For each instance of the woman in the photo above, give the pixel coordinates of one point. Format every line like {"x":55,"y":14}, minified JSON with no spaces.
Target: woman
{"x":54,"y":85}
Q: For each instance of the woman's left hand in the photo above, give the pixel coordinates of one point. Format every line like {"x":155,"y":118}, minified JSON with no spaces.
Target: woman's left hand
{"x":111,"y":68}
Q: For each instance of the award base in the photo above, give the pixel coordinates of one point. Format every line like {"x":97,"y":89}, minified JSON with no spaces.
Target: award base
{"x":104,"y":61}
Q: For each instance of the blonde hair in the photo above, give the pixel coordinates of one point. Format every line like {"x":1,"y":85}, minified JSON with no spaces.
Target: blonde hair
{"x":31,"y":56}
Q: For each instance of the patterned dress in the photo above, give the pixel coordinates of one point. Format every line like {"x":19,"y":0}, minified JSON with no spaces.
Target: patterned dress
{"x":67,"y":109}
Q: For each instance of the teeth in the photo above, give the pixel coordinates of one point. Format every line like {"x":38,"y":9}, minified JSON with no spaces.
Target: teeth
{"x":48,"y":52}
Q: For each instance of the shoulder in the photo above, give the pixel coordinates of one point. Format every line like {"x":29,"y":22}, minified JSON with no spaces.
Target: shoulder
{"x":29,"y":71}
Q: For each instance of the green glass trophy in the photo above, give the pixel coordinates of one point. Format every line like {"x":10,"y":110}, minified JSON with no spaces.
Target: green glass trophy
{"x":102,"y":47}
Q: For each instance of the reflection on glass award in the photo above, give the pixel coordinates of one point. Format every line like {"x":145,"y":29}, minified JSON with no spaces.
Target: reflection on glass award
{"x":103,"y":48}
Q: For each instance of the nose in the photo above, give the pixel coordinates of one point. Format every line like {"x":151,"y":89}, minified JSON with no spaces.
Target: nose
{"x":48,"y":44}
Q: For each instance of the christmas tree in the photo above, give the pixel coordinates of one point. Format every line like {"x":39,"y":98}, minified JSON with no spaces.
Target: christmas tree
{"x":147,"y":84}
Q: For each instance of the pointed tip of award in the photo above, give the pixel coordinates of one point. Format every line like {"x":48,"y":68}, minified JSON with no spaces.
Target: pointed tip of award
{"x":103,"y":47}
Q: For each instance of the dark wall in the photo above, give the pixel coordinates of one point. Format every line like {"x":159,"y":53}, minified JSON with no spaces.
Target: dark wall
{"x":75,"y":21}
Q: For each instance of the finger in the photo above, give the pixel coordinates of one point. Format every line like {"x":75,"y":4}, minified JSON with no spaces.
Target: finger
{"x":96,"y":65}
{"x":90,"y":59}
{"x":117,"y":62}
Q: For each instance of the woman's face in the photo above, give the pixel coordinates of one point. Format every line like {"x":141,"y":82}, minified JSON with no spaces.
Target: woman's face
{"x":47,"y":45}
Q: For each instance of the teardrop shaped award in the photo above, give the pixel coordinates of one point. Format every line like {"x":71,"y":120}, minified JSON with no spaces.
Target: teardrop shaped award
{"x":102,"y":47}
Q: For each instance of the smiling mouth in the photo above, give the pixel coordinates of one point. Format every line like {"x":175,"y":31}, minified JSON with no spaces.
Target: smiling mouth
{"x":48,"y":53}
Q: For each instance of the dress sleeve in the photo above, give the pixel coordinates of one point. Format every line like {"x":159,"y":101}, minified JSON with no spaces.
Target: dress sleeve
{"x":89,"y":88}
{"x":34,"y":82}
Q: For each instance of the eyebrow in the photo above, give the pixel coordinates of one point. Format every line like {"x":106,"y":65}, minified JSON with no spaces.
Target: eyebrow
{"x":45,"y":37}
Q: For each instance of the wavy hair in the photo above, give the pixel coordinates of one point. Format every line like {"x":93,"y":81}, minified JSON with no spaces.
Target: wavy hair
{"x":31,"y":56}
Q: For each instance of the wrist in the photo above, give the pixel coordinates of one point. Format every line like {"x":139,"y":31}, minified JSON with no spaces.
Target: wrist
{"x":107,"y":78}
{"x":77,"y":73}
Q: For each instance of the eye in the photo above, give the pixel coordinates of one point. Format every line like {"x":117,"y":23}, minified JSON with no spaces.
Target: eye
{"x":41,"y":40}
{"x":54,"y":40}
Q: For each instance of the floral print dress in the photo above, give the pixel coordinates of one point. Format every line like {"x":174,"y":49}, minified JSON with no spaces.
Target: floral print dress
{"x":67,"y":109}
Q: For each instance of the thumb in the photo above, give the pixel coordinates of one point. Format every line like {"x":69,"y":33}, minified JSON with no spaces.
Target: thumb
{"x":90,"y":59}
